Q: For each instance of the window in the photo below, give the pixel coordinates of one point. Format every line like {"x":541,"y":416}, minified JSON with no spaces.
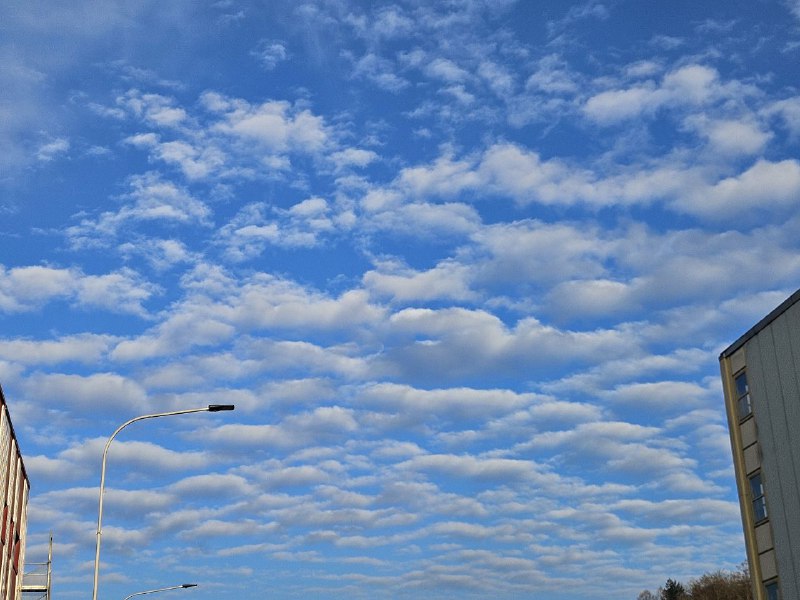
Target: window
{"x":743,"y":396}
{"x":759,"y":502}
{"x":772,"y":590}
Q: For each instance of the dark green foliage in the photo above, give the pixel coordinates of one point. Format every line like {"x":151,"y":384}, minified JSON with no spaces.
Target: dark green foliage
{"x":673,"y":590}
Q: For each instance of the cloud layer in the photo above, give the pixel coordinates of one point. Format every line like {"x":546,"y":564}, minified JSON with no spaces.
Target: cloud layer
{"x":465,"y":269}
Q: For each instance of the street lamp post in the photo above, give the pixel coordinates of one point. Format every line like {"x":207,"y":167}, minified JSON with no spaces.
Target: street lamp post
{"x":164,"y":589}
{"x":172,"y":587}
{"x":209,"y":408}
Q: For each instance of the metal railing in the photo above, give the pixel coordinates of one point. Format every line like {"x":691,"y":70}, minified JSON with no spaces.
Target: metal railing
{"x":36,"y":578}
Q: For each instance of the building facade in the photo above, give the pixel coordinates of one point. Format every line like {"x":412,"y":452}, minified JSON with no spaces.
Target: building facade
{"x":14,"y":487}
{"x":761,"y":381}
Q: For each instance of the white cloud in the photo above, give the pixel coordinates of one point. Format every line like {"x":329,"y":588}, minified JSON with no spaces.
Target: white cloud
{"x":277,"y":126}
{"x":553,"y":76}
{"x":356,"y":157}
{"x":98,"y":393}
{"x":418,"y":219}
{"x":453,"y":342}
{"x":323,"y":425}
{"x":445,"y":281}
{"x":154,"y":109}
{"x":688,"y":85}
{"x":261,"y":302}
{"x":535,"y":252}
{"x":25,"y":289}
{"x":617,"y":105}
{"x":766,"y":186}
{"x":52,"y":149}
{"x":731,"y":137}
{"x":661,"y":395}
{"x":445,"y":70}
{"x":81,"y":348}
{"x":152,"y":199}
{"x":379,"y":71}
{"x":453,"y":403}
{"x":161,"y":254}
{"x":270,"y":53}
{"x":789,"y":111}
{"x":257,"y":226}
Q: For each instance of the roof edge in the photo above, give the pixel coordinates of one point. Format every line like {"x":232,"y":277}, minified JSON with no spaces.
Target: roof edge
{"x":761,"y":325}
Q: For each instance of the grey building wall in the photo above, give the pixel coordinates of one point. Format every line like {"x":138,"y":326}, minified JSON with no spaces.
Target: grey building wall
{"x":772,"y":359}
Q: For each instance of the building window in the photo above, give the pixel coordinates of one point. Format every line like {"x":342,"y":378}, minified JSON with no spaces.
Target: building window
{"x":771,"y":589}
{"x":743,"y":396}
{"x":759,"y":502}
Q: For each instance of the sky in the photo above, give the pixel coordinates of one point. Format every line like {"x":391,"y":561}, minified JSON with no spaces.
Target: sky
{"x":464,"y":267}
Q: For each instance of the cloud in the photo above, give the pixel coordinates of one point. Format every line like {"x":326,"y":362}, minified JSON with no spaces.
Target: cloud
{"x":732,"y":137}
{"x":688,"y":85}
{"x":356,"y":157}
{"x":454,"y":404}
{"x":108,"y":393}
{"x":445,"y":70}
{"x":661,"y":395}
{"x":766,"y":186}
{"x":553,"y":76}
{"x":24,"y":289}
{"x":788,"y":110}
{"x":458,"y":343}
{"x":151,"y":199}
{"x":258,"y":226}
{"x":379,"y":71}
{"x":322,"y":425}
{"x":154,"y":109}
{"x":275,"y":125}
{"x":445,"y":281}
{"x":81,"y":348}
{"x":270,"y":53}
{"x":52,"y":149}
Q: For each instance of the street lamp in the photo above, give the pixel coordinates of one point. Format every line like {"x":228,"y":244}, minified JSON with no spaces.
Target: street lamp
{"x":209,"y":408}
{"x":164,"y":589}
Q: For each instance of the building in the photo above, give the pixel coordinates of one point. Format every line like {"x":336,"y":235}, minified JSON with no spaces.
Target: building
{"x":761,"y":381}
{"x":14,"y":487}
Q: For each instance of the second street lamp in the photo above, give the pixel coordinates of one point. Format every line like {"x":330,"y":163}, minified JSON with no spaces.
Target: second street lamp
{"x":209,"y":408}
{"x":164,"y":589}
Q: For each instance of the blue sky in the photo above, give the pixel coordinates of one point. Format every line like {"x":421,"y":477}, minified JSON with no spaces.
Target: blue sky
{"x":464,"y":267}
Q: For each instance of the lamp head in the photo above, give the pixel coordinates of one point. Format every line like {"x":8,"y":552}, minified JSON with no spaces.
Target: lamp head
{"x":188,"y":585}
{"x":220,"y":407}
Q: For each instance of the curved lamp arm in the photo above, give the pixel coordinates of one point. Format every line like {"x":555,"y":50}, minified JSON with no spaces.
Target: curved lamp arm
{"x":209,"y":408}
{"x":164,"y":589}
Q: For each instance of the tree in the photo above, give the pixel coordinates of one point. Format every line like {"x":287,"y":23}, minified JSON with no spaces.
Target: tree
{"x":673,"y":590}
{"x":722,"y":585}
{"x":719,"y":585}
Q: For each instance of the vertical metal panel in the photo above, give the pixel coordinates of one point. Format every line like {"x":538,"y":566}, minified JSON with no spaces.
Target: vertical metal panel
{"x":760,"y":350}
{"x":786,"y":333}
{"x":749,"y":433}
{"x":23,"y":528}
{"x":5,"y":437}
{"x":764,"y":538}
{"x":768,"y":567}
{"x":737,"y":360}
{"x":774,"y":387}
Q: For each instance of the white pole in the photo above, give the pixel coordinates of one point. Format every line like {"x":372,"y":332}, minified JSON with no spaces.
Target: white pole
{"x":209,"y":408}
{"x":164,"y":589}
